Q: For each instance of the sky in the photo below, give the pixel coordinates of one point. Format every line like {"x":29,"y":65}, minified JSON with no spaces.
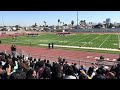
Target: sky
{"x":27,"y":18}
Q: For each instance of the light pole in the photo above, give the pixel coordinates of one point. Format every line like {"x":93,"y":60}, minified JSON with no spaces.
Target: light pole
{"x":2,"y":20}
{"x":77,"y":19}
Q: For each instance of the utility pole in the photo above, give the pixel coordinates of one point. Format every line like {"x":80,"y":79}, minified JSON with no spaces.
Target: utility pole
{"x":2,"y":21}
{"x":77,"y":19}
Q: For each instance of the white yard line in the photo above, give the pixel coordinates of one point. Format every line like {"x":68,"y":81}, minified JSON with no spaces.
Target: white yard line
{"x":12,"y":42}
{"x":91,"y":40}
{"x":107,"y":49}
{"x":80,"y":39}
{"x":104,"y":41}
{"x":63,"y":40}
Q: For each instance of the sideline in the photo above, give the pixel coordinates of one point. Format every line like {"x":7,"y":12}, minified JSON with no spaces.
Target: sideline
{"x":107,"y":49}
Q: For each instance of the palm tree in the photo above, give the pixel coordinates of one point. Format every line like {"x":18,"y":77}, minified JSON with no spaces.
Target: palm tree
{"x":84,"y":22}
{"x":58,"y":22}
{"x":72,"y":22}
{"x":35,"y":24}
{"x":17,"y":27}
{"x":63,"y":23}
{"x":45,"y":23}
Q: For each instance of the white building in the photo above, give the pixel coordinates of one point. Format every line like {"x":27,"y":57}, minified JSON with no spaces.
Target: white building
{"x":9,"y":28}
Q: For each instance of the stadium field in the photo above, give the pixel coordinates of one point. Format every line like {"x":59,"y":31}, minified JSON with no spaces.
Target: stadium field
{"x":100,"y":41}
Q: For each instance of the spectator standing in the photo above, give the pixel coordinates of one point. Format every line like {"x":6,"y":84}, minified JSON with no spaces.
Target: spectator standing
{"x":1,"y":71}
{"x":101,"y":57}
{"x":52,"y":45}
{"x":48,"y":45}
{"x":46,"y":73}
{"x":31,"y":74}
{"x":83,"y":68}
{"x":59,"y":59}
{"x":13,"y":48}
{"x":69,"y":74}
{"x":83,"y":75}
{"x":48,"y":64}
{"x":75,"y":69}
{"x":100,"y":74}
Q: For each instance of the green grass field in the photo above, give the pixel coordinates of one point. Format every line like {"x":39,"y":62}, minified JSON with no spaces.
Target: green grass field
{"x":84,"y":40}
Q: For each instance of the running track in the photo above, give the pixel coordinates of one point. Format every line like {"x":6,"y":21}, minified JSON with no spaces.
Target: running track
{"x":37,"y":52}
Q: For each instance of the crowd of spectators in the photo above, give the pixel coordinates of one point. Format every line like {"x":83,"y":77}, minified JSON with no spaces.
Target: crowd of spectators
{"x":18,"y":67}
